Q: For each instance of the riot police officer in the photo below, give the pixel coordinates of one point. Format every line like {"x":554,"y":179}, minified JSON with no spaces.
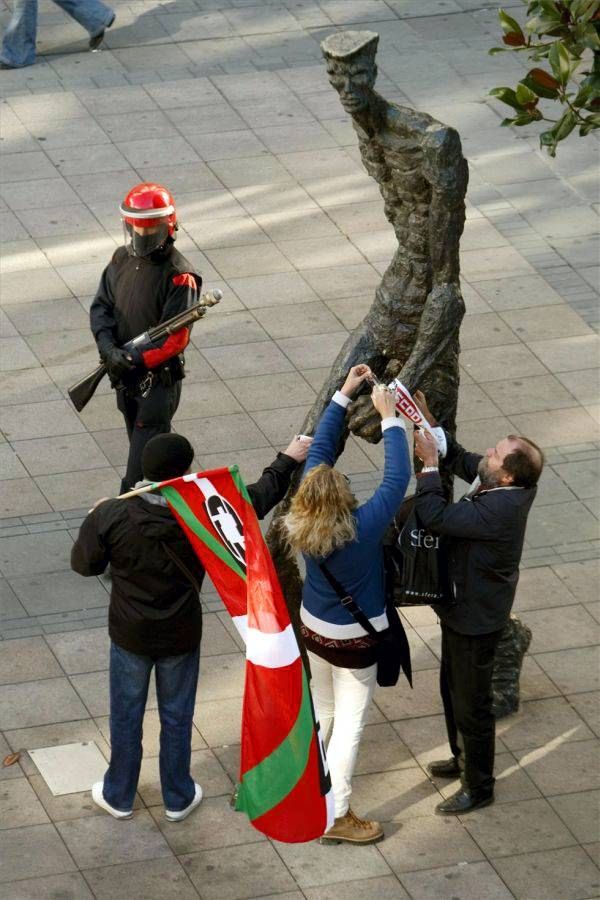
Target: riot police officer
{"x":146,"y":282}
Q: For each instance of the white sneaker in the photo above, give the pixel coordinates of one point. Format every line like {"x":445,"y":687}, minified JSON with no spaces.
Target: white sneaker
{"x":184,"y":813}
{"x":98,"y":798}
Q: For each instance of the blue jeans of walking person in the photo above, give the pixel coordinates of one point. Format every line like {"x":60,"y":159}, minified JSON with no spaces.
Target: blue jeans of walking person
{"x":176,"y":680}
{"x":18,"y":45}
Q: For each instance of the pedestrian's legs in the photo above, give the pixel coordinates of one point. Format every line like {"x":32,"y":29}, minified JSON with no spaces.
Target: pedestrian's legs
{"x":321,"y":688}
{"x":18,"y":45}
{"x":353,"y":691}
{"x":446,"y":692}
{"x":127,"y":406}
{"x":129,"y":679}
{"x":471,"y":691}
{"x":93,"y":15}
{"x":153,"y":416}
{"x":176,"y":680}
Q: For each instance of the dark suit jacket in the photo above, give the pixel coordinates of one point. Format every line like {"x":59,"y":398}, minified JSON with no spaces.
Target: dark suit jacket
{"x":485,"y":535}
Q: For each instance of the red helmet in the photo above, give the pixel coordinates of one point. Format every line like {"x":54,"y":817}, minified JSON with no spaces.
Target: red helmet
{"x":150,"y":207}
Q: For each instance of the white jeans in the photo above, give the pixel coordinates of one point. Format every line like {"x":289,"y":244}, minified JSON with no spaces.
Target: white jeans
{"x":342,"y":698}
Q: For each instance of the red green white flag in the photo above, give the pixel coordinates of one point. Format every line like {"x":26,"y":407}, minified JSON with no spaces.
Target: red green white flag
{"x":285,"y":786}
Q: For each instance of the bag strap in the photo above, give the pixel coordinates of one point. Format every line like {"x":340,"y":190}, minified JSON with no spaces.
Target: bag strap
{"x":181,"y":566}
{"x":349,"y":603}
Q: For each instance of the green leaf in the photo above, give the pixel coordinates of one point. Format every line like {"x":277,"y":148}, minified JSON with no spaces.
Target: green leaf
{"x":565,"y":125}
{"x":493,"y":50}
{"x":591,"y":123}
{"x":560,"y":61}
{"x":506,"y":95}
{"x":510,"y":25}
{"x":525,"y":95}
{"x":583,"y":95}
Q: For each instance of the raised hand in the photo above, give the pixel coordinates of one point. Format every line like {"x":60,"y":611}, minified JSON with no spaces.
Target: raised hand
{"x":355,"y":378}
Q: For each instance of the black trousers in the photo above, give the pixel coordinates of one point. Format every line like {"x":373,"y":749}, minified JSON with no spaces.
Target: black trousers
{"x":466,"y":688}
{"x":145,"y":417}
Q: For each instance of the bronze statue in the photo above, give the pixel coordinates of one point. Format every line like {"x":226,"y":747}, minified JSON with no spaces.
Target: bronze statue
{"x":411,"y":330}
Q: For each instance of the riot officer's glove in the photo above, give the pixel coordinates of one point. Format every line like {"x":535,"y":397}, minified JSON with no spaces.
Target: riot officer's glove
{"x":117,"y":362}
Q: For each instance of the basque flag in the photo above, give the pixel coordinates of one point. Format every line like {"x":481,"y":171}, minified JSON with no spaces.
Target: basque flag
{"x":285,"y":786}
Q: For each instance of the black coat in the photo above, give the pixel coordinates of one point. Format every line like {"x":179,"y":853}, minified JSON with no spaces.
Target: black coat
{"x":485,"y":535}
{"x":154,"y":607}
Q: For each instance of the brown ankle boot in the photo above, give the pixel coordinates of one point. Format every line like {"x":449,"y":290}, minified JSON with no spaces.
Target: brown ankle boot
{"x":352,"y":830}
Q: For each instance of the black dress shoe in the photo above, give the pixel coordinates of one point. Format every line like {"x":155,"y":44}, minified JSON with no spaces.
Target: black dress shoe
{"x":444,"y":768}
{"x":463,"y":801}
{"x":98,"y":38}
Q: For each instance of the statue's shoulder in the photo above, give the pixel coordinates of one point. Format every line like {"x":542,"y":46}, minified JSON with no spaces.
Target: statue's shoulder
{"x":433,"y":134}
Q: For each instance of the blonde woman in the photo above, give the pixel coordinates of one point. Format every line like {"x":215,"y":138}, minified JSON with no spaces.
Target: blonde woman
{"x":326,"y":524}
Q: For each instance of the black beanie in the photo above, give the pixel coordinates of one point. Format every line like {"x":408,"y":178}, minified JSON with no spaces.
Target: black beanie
{"x":166,"y":456}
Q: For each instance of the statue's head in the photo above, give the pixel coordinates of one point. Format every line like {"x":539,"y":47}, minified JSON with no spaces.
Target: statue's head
{"x":350,"y":57}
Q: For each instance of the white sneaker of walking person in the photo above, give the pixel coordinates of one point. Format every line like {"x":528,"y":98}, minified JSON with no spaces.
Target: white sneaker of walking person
{"x":184,"y":813}
{"x":98,"y":798}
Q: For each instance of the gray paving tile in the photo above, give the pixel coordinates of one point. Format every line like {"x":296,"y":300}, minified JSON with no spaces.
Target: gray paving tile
{"x":557,"y":628}
{"x":76,"y":489}
{"x":58,"y":592}
{"x":21,"y":495}
{"x":66,"y":453}
{"x":467,"y":882}
{"x":580,"y":812}
{"x":579,"y":578}
{"x":32,"y":554}
{"x":572,"y":670}
{"x":154,"y":878}
{"x":30,"y":420}
{"x":19,"y":805}
{"x":251,"y":869}
{"x":548,"y":525}
{"x":568,"y":768}
{"x":530,"y":393}
{"x":27,"y":660}
{"x":95,"y":840}
{"x":34,"y":850}
{"x":423,"y":843}
{"x":518,"y":827}
{"x":81,"y":651}
{"x":39,"y":703}
{"x":10,"y":608}
{"x":48,"y":887}
{"x":550,"y":874}
{"x":384,"y":887}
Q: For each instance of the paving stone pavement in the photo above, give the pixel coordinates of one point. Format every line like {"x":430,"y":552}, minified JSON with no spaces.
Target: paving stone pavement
{"x":227,"y":102}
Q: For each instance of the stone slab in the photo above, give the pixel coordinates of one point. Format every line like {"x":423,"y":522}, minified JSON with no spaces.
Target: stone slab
{"x":70,"y":768}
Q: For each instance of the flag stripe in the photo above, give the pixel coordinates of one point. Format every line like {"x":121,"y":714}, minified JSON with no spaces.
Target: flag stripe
{"x":272,"y":779}
{"x":174,"y":498}
{"x":271,"y":650}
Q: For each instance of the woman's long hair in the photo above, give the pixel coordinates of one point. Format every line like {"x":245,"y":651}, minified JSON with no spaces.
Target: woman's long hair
{"x":320,"y":518}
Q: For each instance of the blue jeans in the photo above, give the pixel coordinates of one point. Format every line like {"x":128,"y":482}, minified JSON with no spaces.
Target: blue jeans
{"x":18,"y":46}
{"x":176,"y":680}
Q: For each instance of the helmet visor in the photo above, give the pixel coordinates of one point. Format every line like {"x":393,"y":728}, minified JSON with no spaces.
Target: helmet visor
{"x":143,"y":241}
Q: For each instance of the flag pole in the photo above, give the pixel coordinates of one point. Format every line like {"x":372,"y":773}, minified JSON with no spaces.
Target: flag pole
{"x":135,"y":493}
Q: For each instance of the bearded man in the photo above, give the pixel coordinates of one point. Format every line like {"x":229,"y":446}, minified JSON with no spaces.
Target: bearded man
{"x":484,"y":534}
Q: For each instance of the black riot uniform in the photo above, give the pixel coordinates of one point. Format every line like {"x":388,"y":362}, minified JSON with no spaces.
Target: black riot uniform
{"x":135,"y":294}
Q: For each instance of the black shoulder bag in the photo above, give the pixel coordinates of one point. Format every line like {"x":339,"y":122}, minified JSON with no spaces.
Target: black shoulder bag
{"x":393,"y":651}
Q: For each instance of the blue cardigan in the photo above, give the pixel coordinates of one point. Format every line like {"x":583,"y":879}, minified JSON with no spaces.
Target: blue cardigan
{"x":358,"y":565}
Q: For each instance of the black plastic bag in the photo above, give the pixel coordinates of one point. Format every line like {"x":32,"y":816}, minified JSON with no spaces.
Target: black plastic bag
{"x":416,"y":563}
